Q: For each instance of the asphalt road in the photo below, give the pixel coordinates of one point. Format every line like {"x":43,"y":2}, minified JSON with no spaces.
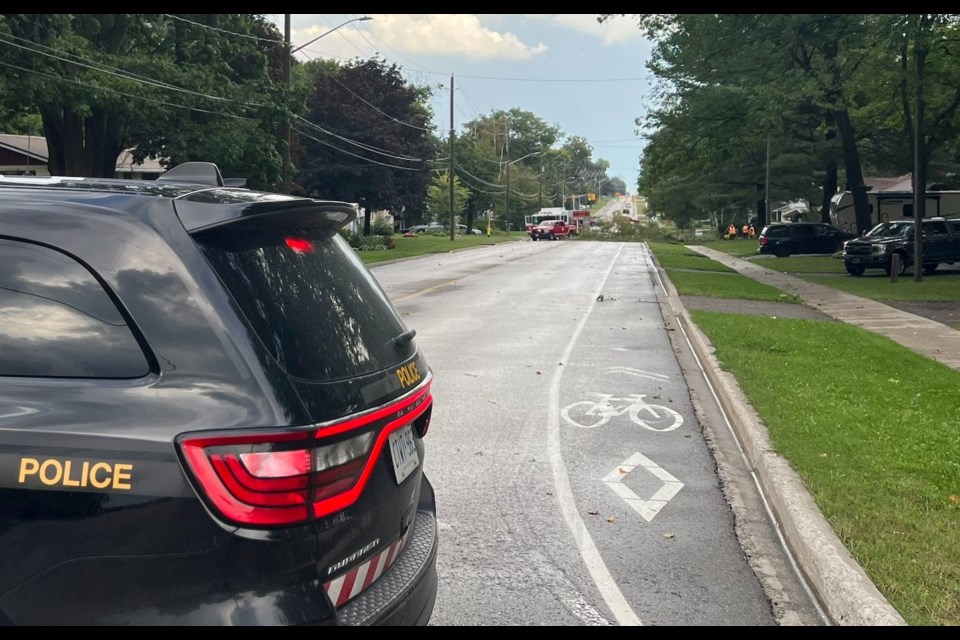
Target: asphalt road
{"x":581,"y":478}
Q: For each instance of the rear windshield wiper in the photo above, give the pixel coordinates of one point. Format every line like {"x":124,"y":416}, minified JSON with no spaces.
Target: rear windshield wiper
{"x":404,"y":337}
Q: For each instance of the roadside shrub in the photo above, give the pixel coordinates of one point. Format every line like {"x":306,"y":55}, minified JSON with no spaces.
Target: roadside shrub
{"x":355,"y":240}
{"x":371,"y":243}
{"x":382,"y":228}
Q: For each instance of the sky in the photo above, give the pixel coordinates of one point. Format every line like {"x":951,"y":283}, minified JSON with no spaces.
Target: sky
{"x":586,"y":78}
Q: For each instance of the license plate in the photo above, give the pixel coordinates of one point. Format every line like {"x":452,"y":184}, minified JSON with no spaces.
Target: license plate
{"x":855,"y":260}
{"x":403,"y":450}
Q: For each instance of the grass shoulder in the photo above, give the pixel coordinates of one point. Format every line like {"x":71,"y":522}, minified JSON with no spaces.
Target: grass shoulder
{"x":871,"y":428}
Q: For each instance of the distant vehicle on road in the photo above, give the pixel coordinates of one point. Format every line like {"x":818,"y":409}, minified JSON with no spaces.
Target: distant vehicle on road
{"x":552,"y":230}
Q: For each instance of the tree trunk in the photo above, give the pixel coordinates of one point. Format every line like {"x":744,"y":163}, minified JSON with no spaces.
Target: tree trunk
{"x":761,"y":206}
{"x":851,"y":164}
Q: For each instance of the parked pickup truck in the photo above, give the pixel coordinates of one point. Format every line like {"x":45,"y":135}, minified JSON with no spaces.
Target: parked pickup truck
{"x":552,"y":230}
{"x":875,"y":250}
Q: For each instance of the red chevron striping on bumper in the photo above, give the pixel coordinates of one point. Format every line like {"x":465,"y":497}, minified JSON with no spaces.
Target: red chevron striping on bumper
{"x":351,"y":584}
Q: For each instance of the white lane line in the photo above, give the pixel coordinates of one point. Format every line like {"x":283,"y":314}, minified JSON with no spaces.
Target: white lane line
{"x":609,"y":590}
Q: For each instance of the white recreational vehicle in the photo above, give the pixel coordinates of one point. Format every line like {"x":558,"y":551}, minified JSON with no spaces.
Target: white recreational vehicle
{"x":890,"y":206}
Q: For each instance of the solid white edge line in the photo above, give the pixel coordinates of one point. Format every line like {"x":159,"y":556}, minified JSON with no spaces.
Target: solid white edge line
{"x":608,"y":587}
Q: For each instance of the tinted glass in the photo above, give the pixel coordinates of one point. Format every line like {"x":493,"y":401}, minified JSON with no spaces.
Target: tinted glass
{"x":803,"y":231}
{"x":935,"y":229}
{"x":57,"y":321}
{"x":310,"y":300}
{"x":776,"y":232}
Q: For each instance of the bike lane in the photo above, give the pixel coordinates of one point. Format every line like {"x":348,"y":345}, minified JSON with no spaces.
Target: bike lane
{"x":641,"y":476}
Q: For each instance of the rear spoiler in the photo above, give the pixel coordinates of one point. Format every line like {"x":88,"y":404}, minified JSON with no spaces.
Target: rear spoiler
{"x":228,"y":203}
{"x":205,"y":210}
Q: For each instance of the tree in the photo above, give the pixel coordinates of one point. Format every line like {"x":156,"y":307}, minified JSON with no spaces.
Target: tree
{"x":366,"y":138}
{"x":171,"y":86}
{"x":438,"y":198}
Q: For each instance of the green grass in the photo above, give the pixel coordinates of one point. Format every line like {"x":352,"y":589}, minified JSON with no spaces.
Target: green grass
{"x":939,"y":286}
{"x":872,"y":428}
{"x":698,"y":262}
{"x":735,"y":247}
{"x":726,"y":285}
{"x":803,"y":264}
{"x":426,"y":244}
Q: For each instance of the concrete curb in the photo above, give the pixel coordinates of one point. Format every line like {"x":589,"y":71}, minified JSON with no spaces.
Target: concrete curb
{"x":845,"y":591}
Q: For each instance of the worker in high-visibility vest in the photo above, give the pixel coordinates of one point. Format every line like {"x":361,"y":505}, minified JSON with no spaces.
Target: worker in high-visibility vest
{"x":731,"y":231}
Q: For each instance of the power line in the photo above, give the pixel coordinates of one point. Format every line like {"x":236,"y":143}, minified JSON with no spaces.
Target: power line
{"x":492,"y":184}
{"x":478,"y":189}
{"x":357,"y":143}
{"x":368,"y":28}
{"x":383,"y":164}
{"x":232,"y":33}
{"x":123,"y":73}
{"x":123,"y":93}
{"x":406,"y":124}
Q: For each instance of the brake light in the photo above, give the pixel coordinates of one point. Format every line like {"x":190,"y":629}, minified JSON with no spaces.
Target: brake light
{"x":763,"y":239}
{"x":300,"y":245}
{"x":280,"y":478}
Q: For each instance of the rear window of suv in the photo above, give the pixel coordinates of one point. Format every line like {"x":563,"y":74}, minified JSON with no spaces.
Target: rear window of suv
{"x":310,"y":300}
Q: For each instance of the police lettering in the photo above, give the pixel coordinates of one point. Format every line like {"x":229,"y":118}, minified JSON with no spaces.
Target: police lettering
{"x":69,"y":473}
{"x":408,"y":374}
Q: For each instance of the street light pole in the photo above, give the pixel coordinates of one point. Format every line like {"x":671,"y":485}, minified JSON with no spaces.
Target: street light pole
{"x":287,"y":80}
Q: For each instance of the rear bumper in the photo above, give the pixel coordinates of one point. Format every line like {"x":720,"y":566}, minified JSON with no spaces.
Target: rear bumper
{"x":406,"y":595}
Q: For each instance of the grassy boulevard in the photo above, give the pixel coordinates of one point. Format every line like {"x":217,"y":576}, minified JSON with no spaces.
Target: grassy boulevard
{"x":871,"y":427}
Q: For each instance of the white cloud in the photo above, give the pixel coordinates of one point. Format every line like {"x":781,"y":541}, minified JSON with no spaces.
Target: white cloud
{"x":442,"y":34}
{"x":615,"y":30}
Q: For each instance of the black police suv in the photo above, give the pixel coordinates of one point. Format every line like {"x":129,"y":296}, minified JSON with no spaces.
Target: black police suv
{"x":210,"y":412}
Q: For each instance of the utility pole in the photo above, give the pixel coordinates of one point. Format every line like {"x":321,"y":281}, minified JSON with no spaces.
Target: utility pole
{"x":287,"y":54}
{"x":540,"y":193}
{"x":453,"y":198}
{"x":563,"y":185}
{"x":506,"y":150}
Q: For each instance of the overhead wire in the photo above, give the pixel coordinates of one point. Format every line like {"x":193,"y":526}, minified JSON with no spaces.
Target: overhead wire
{"x":124,"y":93}
{"x":357,"y":143}
{"x":116,"y":71}
{"x":233,"y":33}
{"x":370,"y":160}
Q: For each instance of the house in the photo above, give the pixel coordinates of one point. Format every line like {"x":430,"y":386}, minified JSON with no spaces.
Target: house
{"x":27,"y":155}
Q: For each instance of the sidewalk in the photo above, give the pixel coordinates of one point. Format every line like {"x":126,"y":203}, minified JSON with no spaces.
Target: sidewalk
{"x":931,"y":339}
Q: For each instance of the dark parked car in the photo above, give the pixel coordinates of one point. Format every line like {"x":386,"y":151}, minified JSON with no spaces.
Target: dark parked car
{"x":210,"y":412}
{"x":783,"y":239}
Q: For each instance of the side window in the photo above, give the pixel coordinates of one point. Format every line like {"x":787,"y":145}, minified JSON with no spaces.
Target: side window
{"x":802,"y":231}
{"x":57,"y":321}
{"x":935,"y":229}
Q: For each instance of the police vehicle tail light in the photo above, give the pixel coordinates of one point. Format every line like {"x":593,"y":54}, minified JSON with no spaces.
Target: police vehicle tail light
{"x":291,"y":477}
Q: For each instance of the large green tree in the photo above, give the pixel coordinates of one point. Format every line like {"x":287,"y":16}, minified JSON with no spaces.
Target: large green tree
{"x":366,"y":138}
{"x":179,"y":87}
